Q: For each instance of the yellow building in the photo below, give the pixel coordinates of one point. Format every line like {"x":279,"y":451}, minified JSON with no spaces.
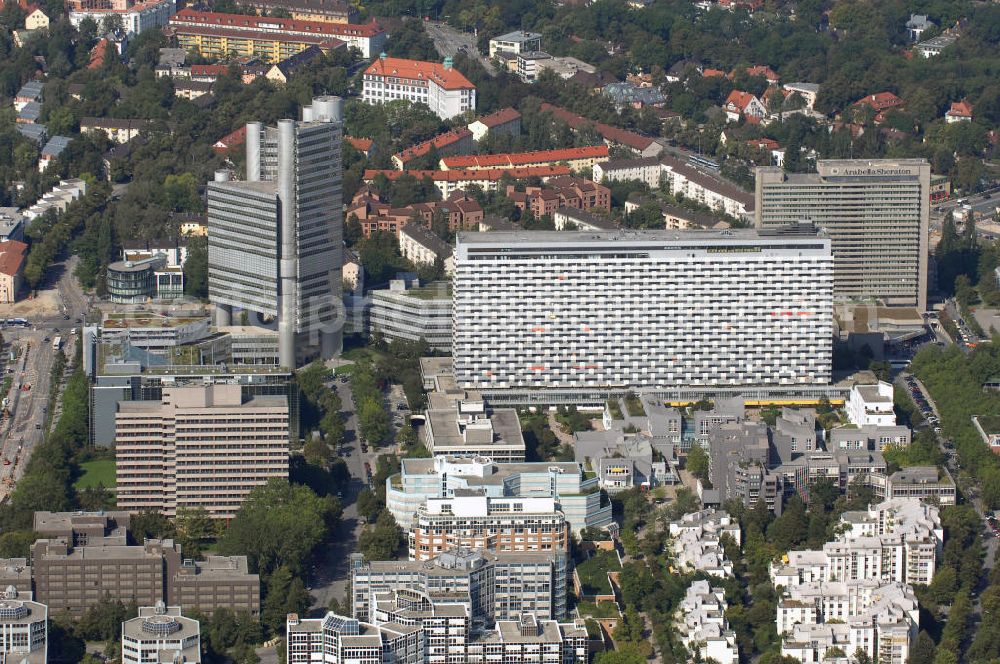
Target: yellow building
{"x":36,"y":20}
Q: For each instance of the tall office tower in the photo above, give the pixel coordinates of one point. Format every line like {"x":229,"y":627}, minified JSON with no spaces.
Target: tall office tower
{"x":198,"y":447}
{"x":276,"y":240}
{"x":876,"y":214}
{"x":546,"y":312}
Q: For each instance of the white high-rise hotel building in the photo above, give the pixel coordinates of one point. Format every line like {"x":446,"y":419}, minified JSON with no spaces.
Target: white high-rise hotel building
{"x":542,"y":311}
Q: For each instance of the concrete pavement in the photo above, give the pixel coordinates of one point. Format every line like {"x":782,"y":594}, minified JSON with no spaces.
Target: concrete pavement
{"x":449,"y":42}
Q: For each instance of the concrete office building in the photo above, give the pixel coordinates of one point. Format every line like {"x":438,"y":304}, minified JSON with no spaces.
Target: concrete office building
{"x":497,"y":585}
{"x":576,"y":496}
{"x":876,"y":214}
{"x":408,"y":311}
{"x":484,"y":522}
{"x":199,"y":447}
{"x":276,"y":241}
{"x":84,"y":556}
{"x":539,"y":312}
{"x":161,"y":634}
{"x":24,"y":628}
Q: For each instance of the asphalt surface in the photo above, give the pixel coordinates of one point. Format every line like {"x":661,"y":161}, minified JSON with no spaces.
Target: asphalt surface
{"x":448,"y":41}
{"x":32,"y":373}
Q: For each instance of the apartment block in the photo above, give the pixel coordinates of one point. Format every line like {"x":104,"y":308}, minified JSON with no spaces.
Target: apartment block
{"x":871,"y":405}
{"x":458,"y":209}
{"x":497,"y":585}
{"x":577,"y":497}
{"x":515,"y":42}
{"x":681,"y":179}
{"x":281,"y":231}
{"x":644,"y":169}
{"x":624,"y":460}
{"x":440,"y":86}
{"x":412,"y":628}
{"x":702,"y":626}
{"x":505,"y":122}
{"x":136,"y":17}
{"x":876,"y":213}
{"x":578,"y":159}
{"x":24,"y":628}
{"x":448,"y":182}
{"x":896,"y":540}
{"x":72,"y":572}
{"x":929,"y":483}
{"x":696,"y":539}
{"x":199,"y":447}
{"x":511,"y":524}
{"x":422,"y":246}
{"x":219,"y":35}
{"x":330,"y":11}
{"x":455,"y":142}
{"x":465,"y":427}
{"x":160,"y":633}
{"x":408,"y":311}
{"x":561,"y":311}
{"x":879,"y":619}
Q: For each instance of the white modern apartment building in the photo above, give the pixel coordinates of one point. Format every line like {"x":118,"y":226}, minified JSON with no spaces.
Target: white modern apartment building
{"x":871,"y":405}
{"x":484,"y":522}
{"x":574,"y":311}
{"x":696,"y":539}
{"x":702,"y":625}
{"x":896,"y":540}
{"x":516,"y":42}
{"x":469,"y":429}
{"x":877,"y":618}
{"x":23,"y":628}
{"x":577,"y":497}
{"x":336,"y":639}
{"x":439,"y":86}
{"x":500,"y":586}
{"x":161,"y":634}
{"x":198,"y":447}
{"x":876,"y":213}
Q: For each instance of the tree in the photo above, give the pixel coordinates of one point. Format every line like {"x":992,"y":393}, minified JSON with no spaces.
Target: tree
{"x":194,"y":525}
{"x":383,"y":540}
{"x":628,"y":654}
{"x":280,"y":524}
{"x":285,"y":594}
{"x":196,"y":268}
{"x":150,"y":524}
{"x":368,"y":504}
{"x":698,"y":462}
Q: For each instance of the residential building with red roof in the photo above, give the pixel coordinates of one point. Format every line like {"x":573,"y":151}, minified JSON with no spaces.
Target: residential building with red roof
{"x":455,"y":142}
{"x":576,"y":158}
{"x":505,"y":121}
{"x":880,"y":101}
{"x":561,"y":192}
{"x":362,"y":145}
{"x":13,"y":255}
{"x":99,"y":53}
{"x":460,"y":211}
{"x":960,"y":111}
{"x":708,"y":72}
{"x":740,"y":104}
{"x":217,"y":35}
{"x":643,"y":146}
{"x":324,"y":11}
{"x":764,"y":72}
{"x":230,"y":141}
{"x":487,"y":179}
{"x":439,"y":85}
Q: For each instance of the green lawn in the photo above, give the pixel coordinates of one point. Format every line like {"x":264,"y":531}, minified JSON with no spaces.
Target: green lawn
{"x":602,"y":610}
{"x":593,"y":573}
{"x":97,"y":472}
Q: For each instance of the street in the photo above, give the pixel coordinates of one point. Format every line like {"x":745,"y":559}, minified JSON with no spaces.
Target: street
{"x":31,"y":371}
{"x":449,"y":42}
